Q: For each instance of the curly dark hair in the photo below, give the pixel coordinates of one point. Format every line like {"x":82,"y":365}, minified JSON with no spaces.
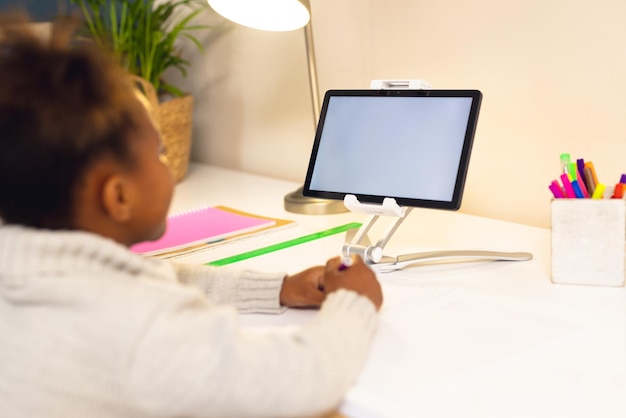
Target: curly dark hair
{"x":63,"y":105}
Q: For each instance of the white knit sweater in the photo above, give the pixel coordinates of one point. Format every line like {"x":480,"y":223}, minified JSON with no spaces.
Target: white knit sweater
{"x":89,"y":329}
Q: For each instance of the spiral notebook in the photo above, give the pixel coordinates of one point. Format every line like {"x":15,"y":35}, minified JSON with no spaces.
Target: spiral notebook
{"x":204,"y":226}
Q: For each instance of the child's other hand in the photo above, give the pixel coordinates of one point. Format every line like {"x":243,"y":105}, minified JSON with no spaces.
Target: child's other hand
{"x":358,"y":277}
{"x":304,"y":289}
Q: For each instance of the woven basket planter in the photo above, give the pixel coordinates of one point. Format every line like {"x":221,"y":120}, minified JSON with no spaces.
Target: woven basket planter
{"x":176,"y":127}
{"x":175,"y":120}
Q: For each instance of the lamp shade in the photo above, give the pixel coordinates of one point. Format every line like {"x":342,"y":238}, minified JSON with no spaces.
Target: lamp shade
{"x":270,"y":15}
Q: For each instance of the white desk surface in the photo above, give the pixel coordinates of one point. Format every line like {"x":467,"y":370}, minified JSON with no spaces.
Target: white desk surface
{"x":474,"y":339}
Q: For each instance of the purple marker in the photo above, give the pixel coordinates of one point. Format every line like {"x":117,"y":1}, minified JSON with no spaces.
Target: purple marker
{"x":346,"y":262}
{"x":580,"y":163}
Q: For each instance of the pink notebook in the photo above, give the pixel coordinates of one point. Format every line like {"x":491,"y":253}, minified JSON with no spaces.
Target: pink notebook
{"x":202,"y":226}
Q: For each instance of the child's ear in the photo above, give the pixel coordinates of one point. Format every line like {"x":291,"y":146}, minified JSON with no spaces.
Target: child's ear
{"x":117,"y":198}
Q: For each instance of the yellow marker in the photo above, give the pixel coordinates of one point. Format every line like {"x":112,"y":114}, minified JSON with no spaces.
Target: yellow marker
{"x":598,"y":193}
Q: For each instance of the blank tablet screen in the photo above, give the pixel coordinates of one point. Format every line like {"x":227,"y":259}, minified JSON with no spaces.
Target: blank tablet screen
{"x":411,"y":145}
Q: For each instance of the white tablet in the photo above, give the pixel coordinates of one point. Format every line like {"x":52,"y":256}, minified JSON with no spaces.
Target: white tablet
{"x":410,"y":145}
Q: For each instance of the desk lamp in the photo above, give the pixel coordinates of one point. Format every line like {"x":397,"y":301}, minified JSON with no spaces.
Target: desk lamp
{"x":280,"y":16}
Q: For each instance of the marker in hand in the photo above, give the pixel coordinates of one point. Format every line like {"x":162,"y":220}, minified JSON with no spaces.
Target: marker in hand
{"x":345,"y":262}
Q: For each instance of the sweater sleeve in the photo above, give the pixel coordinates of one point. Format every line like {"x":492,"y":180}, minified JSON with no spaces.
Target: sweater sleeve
{"x":195,"y":361}
{"x":247,"y":290}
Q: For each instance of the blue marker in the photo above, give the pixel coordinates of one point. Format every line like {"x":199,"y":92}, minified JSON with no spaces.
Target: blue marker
{"x":577,"y":190}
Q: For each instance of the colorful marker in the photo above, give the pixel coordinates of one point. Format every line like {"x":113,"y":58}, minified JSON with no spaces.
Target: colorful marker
{"x":565,"y":158}
{"x":567,"y":185}
{"x":556,"y":190}
{"x":345,"y":262}
{"x":591,"y":184}
{"x":573,"y":168}
{"x":581,"y":184}
{"x":598,"y":193}
{"x":577,"y":191}
{"x":580,"y":164}
{"x":589,"y":165}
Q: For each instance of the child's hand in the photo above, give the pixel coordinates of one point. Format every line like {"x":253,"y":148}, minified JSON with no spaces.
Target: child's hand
{"x":304,"y":289}
{"x":357,"y":277}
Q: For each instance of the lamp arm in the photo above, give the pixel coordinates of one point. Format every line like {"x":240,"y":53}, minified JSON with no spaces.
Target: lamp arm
{"x":312,"y":65}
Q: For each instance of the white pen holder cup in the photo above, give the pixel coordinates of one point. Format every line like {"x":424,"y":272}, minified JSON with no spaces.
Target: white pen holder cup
{"x":588,"y":241}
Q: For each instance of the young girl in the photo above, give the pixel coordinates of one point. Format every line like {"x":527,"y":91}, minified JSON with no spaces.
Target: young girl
{"x":89,"y":329}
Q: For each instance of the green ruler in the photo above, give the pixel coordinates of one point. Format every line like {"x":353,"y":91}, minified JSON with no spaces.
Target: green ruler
{"x":284,"y":244}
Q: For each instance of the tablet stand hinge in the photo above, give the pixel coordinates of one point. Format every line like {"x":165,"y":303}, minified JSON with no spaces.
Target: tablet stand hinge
{"x":358,"y":243}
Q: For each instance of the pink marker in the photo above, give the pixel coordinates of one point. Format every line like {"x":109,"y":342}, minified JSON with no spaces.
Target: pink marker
{"x":556,"y":190}
{"x":569,"y":191}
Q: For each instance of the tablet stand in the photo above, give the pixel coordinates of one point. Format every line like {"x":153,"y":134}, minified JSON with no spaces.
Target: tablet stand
{"x":360,"y":244}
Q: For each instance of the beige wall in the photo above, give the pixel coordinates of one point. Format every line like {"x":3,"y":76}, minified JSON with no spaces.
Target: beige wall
{"x":552,"y":74}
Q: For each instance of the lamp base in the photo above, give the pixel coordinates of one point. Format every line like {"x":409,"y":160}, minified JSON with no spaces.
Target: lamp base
{"x":297,"y":202}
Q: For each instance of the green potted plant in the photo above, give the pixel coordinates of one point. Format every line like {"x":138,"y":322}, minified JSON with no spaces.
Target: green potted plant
{"x":143,"y":35}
